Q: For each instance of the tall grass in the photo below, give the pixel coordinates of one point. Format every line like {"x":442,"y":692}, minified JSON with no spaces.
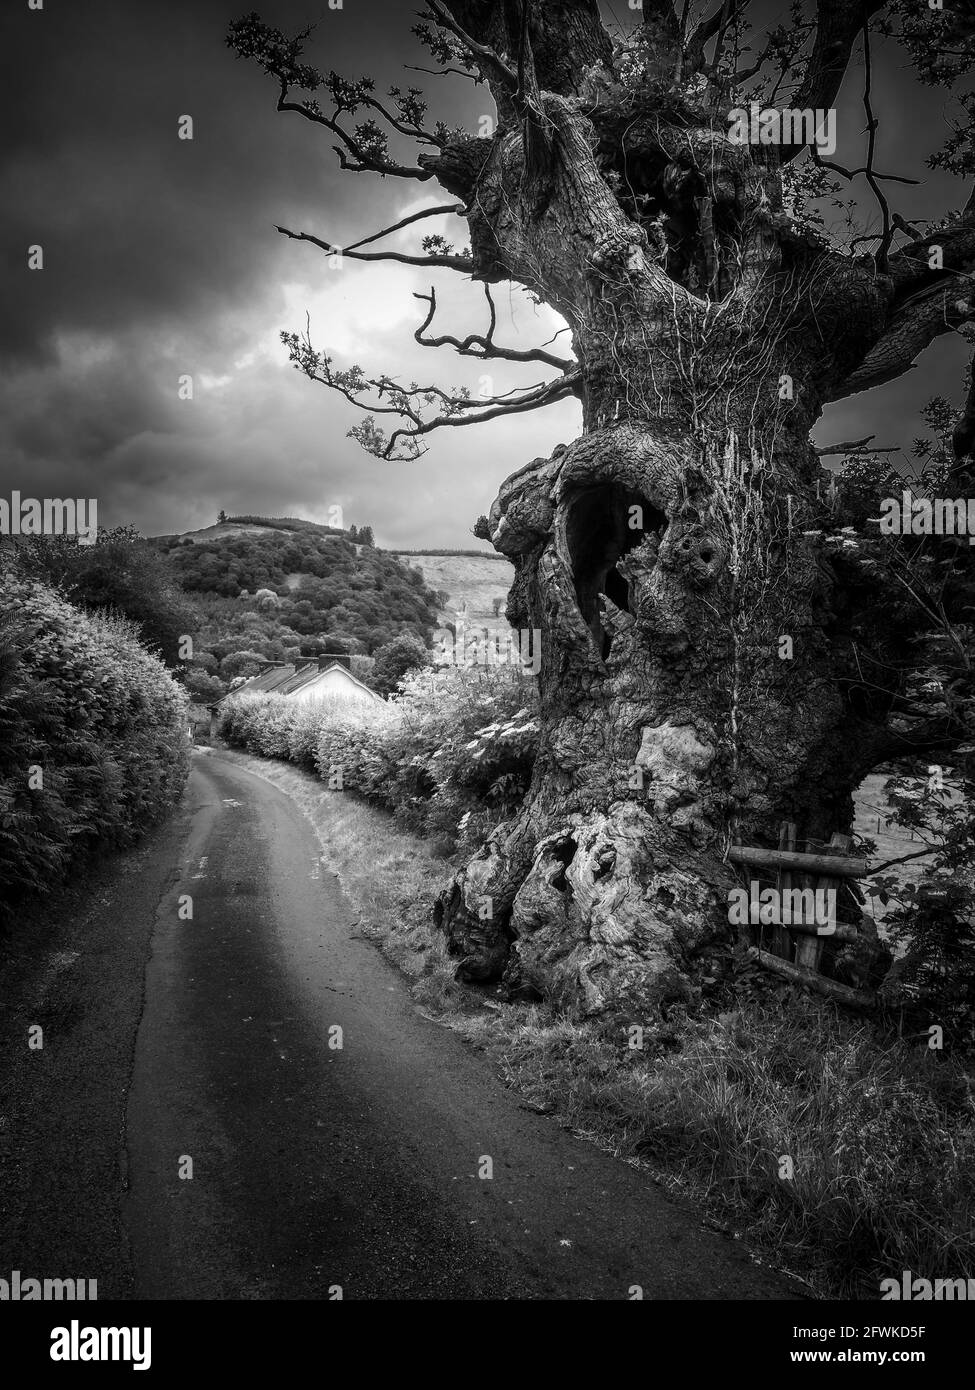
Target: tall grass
{"x":843,"y":1154}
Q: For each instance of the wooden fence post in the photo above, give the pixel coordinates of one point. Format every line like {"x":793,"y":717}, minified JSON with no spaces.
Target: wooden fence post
{"x":809,"y":949}
{"x":781,"y":939}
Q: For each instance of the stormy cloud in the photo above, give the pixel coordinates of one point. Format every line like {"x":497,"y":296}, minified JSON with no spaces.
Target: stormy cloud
{"x":160,"y":258}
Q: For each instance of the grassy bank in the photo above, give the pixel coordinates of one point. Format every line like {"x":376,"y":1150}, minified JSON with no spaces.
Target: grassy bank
{"x":841,"y":1155}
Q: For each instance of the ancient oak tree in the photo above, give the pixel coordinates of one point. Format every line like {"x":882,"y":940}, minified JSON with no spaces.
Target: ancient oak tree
{"x":722,"y":648}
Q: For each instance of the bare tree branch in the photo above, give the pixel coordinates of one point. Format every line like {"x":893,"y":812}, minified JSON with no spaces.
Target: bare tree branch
{"x":719,"y":20}
{"x":837,"y":24}
{"x":963,"y":435}
{"x":902,"y":859}
{"x":567,"y":37}
{"x":872,"y":123}
{"x":942,"y":733}
{"x":915,"y":323}
{"x":384,"y":395}
{"x":911,"y":269}
{"x":483,"y":346}
{"x":745,"y":74}
{"x":491,"y":63}
{"x":365,"y":162}
{"x":857,"y":446}
{"x":457,"y":208}
{"x":534,"y":399}
{"x":864,"y":169}
{"x":464,"y":264}
{"x":930,"y":288}
{"x":446,"y":72}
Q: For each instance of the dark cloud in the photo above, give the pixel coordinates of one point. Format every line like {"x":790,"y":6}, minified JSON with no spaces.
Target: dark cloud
{"x":136,"y":223}
{"x":161,"y":259}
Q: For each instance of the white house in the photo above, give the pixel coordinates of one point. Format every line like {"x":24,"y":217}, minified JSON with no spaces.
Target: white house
{"x":332,"y":682}
{"x":324,"y":679}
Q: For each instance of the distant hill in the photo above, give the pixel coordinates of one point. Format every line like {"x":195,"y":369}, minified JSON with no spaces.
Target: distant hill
{"x":473,"y":577}
{"x":256,"y":525}
{"x":271,"y":586}
{"x":252,"y":526}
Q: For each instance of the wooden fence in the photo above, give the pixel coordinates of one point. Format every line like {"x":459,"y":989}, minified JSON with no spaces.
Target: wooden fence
{"x":795,"y":948}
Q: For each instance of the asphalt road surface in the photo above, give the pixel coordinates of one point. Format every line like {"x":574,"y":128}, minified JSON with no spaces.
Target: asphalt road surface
{"x":191,"y":1130}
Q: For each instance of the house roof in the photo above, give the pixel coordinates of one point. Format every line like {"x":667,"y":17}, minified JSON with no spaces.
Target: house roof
{"x":271,"y":679}
{"x":268,"y":680}
{"x":302,"y":676}
{"x":285,"y":680}
{"x":309,"y":676}
{"x":337,"y":666}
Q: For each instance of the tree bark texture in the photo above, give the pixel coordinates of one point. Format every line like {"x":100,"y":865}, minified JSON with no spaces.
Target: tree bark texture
{"x":702,"y":674}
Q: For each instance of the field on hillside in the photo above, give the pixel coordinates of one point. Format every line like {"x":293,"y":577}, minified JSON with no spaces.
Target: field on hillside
{"x":472,"y":579}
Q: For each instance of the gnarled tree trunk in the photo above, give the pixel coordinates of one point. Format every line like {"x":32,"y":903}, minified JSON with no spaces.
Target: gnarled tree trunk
{"x":690,"y":692}
{"x":699,"y":676}
{"x":717,"y":654}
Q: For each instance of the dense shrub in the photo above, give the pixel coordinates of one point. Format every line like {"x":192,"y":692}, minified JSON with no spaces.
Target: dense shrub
{"x":241,"y":663}
{"x":475,"y":733}
{"x":931,"y":919}
{"x":394,"y":659}
{"x":121,"y":572}
{"x":93,"y":743}
{"x":203,"y":688}
{"x":361,"y":666}
{"x":240,"y":582}
{"x":451,"y":755}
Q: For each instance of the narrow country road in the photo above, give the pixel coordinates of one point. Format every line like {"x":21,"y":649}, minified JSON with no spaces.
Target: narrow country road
{"x":214,"y":1145}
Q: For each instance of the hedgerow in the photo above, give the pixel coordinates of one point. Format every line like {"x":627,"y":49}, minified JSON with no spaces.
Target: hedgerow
{"x":93,"y":741}
{"x":451,"y":754}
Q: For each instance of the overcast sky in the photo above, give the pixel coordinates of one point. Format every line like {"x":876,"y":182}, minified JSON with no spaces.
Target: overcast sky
{"x":161,"y":258}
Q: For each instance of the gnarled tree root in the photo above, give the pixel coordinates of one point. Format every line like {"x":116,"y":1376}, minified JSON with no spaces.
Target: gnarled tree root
{"x":595,"y":916}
